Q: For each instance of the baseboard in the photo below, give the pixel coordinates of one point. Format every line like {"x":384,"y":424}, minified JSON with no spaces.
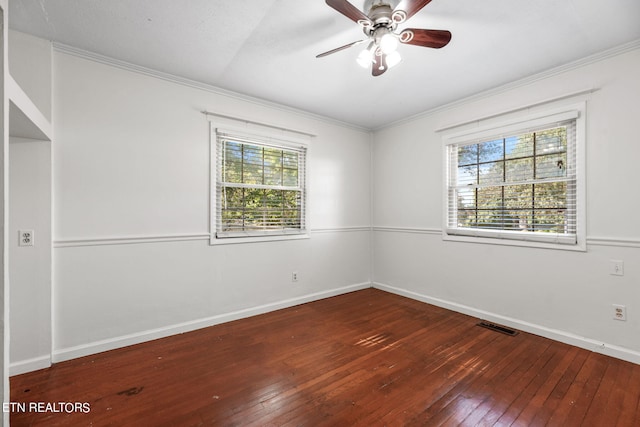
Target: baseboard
{"x":554,"y":334}
{"x":137,"y":338}
{"x":29,"y":365}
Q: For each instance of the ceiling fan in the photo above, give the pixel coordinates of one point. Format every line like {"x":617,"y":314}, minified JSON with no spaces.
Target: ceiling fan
{"x":379,"y":25}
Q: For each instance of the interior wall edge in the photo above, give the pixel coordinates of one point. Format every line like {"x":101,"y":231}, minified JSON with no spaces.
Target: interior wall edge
{"x":60,"y":355}
{"x":554,"y":334}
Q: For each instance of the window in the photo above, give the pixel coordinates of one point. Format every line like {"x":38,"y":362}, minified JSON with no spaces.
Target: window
{"x":259,"y":186}
{"x":518,"y":185}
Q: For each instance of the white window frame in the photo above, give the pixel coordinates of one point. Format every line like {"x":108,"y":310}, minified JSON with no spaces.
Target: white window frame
{"x":268,"y":139}
{"x":501,"y":128}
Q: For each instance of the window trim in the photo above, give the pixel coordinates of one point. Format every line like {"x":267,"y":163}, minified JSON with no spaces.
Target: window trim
{"x":282,"y":139}
{"x":500,"y":127}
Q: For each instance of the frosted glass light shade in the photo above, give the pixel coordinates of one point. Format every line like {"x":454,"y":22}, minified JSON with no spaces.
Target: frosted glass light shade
{"x":388,"y":43}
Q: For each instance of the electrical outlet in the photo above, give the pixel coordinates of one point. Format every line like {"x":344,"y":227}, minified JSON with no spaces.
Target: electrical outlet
{"x":619,"y":312}
{"x":294,"y":276}
{"x":25,"y":238}
{"x":616,"y":267}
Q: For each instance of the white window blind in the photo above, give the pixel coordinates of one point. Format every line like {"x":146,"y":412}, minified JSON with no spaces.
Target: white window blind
{"x":520,"y":185}
{"x":260,"y":186}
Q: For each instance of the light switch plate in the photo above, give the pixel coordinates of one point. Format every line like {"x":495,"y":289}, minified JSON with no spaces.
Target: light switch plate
{"x":616,"y":267}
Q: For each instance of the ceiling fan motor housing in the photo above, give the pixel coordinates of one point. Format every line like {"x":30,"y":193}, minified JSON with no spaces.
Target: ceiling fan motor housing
{"x":381,"y":23}
{"x":381,"y":16}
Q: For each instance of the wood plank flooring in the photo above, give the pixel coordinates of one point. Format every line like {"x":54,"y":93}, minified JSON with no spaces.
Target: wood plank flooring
{"x":366,"y":358}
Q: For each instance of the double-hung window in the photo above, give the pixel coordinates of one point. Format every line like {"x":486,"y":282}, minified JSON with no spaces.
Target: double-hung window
{"x":519,"y":183}
{"x":260,"y":187}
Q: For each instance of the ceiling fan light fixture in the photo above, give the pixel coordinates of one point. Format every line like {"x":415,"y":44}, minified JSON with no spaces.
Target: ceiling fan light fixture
{"x":388,"y":43}
{"x":365,"y":58}
{"x":393,"y":59}
{"x":379,"y":26}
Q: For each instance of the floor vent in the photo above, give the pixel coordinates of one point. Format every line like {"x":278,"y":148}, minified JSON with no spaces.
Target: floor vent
{"x":498,"y":328}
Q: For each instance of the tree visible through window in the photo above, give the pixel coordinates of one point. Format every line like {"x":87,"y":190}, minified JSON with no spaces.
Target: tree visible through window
{"x":522,"y":183}
{"x":260,"y":188}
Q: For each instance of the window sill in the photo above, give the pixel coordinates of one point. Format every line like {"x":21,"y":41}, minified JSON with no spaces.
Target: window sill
{"x":255,"y":239}
{"x":578,"y":247}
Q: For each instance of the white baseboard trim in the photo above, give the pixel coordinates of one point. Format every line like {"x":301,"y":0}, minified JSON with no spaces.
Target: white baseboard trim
{"x":554,"y":334}
{"x":140,"y":337}
{"x":29,"y":365}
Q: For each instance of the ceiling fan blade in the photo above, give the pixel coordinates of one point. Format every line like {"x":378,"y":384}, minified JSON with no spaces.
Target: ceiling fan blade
{"x":348,"y":10}
{"x":411,"y":7}
{"x":380,"y":64}
{"x":338,"y":49}
{"x":427,"y":38}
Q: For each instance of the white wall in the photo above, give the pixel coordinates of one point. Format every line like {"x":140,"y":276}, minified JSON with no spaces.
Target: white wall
{"x":131,"y":212}
{"x":560,"y":294}
{"x":131,"y":163}
{"x":4,"y":210}
{"x":30,"y":66}
{"x":30,"y":266}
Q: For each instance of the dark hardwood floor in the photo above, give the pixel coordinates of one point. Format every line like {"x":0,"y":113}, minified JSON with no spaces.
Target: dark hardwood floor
{"x":366,"y":358}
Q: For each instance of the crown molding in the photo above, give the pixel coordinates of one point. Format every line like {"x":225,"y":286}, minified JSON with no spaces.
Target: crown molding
{"x":194,"y":84}
{"x":591,"y":59}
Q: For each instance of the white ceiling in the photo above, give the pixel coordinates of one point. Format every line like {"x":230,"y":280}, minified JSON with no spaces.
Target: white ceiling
{"x":266,"y":48}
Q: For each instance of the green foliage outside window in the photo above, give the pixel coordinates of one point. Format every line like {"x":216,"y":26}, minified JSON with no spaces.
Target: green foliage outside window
{"x":516,"y":183}
{"x":260,"y":189}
